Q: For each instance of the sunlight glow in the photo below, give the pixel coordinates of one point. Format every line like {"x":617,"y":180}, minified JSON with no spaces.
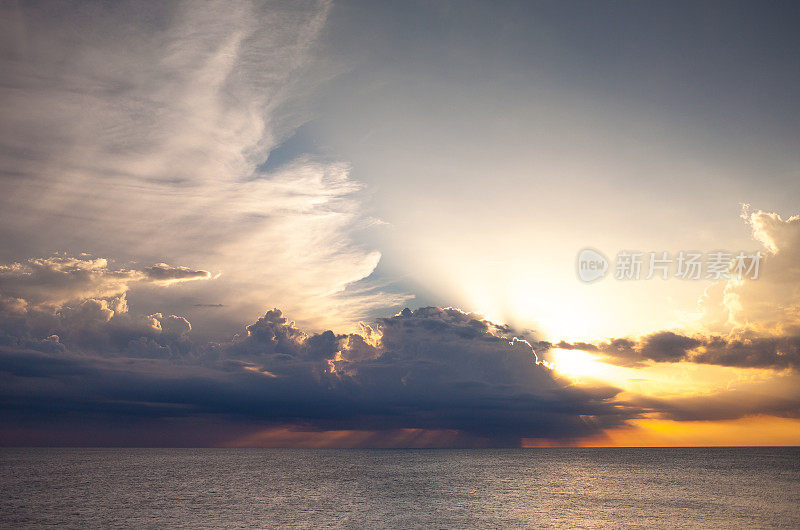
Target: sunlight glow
{"x":577,"y":364}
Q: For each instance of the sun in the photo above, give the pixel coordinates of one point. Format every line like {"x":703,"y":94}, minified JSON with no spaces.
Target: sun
{"x":580,"y":365}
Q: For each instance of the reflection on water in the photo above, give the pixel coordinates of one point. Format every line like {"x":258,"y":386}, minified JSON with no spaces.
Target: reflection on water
{"x":719,"y":487}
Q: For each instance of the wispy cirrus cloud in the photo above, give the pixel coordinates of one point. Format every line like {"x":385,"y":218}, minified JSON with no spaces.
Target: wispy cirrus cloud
{"x":140,"y":134}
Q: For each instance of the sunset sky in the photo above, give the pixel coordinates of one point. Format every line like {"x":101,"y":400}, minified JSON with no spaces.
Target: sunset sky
{"x":345,"y":224}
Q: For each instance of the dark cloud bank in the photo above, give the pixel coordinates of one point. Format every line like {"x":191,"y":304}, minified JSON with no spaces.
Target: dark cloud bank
{"x":77,"y":367}
{"x":94,"y":374}
{"x":776,"y":352}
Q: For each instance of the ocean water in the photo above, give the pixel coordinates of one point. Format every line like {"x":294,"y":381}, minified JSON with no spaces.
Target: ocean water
{"x":520,"y":488}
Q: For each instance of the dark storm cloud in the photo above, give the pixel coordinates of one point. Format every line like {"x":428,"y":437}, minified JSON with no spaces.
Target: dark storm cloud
{"x":427,"y":369}
{"x":667,"y":346}
{"x":99,"y":373}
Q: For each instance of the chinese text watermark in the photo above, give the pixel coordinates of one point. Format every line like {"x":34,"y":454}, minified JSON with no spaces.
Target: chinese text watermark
{"x":592,"y":265}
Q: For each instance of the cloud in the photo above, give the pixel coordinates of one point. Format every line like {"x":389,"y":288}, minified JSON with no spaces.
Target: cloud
{"x":166,"y":275}
{"x":428,"y":377}
{"x":95,"y":327}
{"x":63,"y":303}
{"x":433,"y":376}
{"x":769,"y":305}
{"x":774,"y":396}
{"x":670,"y":347}
{"x":58,"y":279}
{"x":141,"y":133}
{"x":748,"y":323}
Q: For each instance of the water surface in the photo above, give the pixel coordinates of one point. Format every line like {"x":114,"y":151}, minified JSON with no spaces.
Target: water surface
{"x":719,"y":487}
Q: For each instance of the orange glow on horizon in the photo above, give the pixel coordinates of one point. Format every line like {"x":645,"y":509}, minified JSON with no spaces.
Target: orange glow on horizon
{"x":749,"y":431}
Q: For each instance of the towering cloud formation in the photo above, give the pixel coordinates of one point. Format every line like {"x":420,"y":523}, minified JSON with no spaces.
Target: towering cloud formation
{"x":154,"y":137}
{"x":453,"y":375}
{"x":434,"y":376}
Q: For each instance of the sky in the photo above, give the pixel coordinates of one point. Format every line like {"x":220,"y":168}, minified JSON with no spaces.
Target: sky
{"x":357,"y":224}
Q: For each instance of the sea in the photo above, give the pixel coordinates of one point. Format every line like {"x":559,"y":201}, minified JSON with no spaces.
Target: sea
{"x":399,"y":488}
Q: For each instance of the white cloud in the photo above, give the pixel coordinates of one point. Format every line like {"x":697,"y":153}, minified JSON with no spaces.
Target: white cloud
{"x":770,"y":304}
{"x":138,"y":134}
{"x":59,"y":279}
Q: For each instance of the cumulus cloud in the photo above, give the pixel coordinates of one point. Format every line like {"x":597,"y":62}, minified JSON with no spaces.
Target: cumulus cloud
{"x":431,"y":376}
{"x":769,"y":305}
{"x":95,"y":326}
{"x":79,"y":304}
